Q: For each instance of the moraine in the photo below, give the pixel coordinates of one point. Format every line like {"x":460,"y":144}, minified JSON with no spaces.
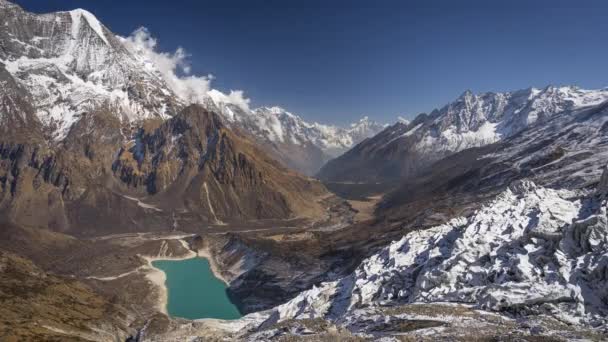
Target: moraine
{"x":193,"y":290}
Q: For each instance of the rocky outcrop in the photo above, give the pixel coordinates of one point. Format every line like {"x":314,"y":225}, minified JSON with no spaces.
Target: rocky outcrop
{"x":602,"y":188}
{"x":193,"y":162}
{"x":232,"y":256}
{"x":532,"y":252}
{"x":535,"y":254}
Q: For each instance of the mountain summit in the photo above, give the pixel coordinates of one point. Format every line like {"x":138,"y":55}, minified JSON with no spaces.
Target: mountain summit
{"x":91,"y":128}
{"x":70,"y":63}
{"x":403,"y":149}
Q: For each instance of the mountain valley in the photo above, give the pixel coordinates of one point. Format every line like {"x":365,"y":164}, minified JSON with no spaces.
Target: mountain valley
{"x":483,"y":220}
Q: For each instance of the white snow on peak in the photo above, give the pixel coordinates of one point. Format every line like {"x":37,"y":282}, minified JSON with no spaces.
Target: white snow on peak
{"x":412,"y":130}
{"x":363,"y":121}
{"x":71,"y":74}
{"x":79,"y":13}
{"x":583,"y":97}
{"x":475,"y":120}
{"x":276,"y":110}
{"x":278,"y":125}
{"x":403,"y":120}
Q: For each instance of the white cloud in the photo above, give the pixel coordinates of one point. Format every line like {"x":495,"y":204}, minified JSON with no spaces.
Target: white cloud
{"x":175,"y":70}
{"x":235,"y":97}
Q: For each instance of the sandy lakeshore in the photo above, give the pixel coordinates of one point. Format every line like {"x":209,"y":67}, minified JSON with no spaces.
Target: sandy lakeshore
{"x":159,"y":278}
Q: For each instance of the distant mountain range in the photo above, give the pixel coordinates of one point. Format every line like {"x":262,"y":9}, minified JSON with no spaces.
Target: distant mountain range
{"x":298,"y":144}
{"x":405,"y":148}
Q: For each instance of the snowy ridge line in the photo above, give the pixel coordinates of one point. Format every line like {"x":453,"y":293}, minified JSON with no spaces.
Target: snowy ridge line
{"x":531,"y":251}
{"x":75,"y":65}
{"x":477,"y":120}
{"x":275,"y":124}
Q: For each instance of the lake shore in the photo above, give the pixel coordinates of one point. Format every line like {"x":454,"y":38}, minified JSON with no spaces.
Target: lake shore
{"x":159,"y":278}
{"x":204,"y":253}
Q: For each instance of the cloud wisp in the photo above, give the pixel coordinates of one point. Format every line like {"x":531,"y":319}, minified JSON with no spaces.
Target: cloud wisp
{"x":176,"y":71}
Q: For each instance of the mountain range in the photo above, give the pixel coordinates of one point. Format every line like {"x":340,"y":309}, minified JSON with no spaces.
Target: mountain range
{"x":90,"y":124}
{"x":298,"y":144}
{"x":70,"y":63}
{"x":405,"y":148}
{"x":482,"y":220}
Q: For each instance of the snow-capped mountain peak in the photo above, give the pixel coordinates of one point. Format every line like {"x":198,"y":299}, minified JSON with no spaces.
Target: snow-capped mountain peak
{"x":72,"y":64}
{"x":281,"y":126}
{"x":363,"y":121}
{"x":403,"y":120}
{"x":275,"y":110}
{"x":475,"y":120}
{"x":80,"y":14}
{"x":472,"y":120}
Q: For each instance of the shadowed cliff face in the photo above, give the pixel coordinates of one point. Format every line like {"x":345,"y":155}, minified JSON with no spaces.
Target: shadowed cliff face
{"x":193,"y":162}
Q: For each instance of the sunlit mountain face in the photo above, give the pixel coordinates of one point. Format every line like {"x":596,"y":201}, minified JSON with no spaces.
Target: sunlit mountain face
{"x":140,"y":202}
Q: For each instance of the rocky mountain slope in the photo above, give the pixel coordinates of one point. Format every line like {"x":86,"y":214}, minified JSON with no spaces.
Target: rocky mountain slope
{"x":193,"y":162}
{"x":70,"y":64}
{"x":569,"y":150}
{"x":531,"y":252}
{"x":91,"y":129}
{"x":187,"y":170}
{"x":37,"y":306}
{"x":535,"y":256}
{"x":298,"y":144}
{"x":404,"y":149}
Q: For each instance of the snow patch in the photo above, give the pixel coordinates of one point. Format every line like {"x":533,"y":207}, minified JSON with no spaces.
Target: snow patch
{"x":412,"y":131}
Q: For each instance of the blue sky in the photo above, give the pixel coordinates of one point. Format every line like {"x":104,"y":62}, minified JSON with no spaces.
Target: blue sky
{"x":334,"y":61}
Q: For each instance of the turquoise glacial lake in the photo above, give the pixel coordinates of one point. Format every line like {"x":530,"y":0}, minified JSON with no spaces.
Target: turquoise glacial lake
{"x":194,"y":291}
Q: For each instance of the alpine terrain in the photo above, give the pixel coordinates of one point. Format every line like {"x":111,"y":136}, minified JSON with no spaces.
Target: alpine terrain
{"x":484,"y":220}
{"x":405,"y":148}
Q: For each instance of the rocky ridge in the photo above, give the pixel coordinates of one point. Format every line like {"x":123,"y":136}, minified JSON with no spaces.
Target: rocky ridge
{"x":69,"y":63}
{"x":533,"y":254}
{"x":404,"y":149}
{"x":298,"y":144}
{"x":93,"y":129}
